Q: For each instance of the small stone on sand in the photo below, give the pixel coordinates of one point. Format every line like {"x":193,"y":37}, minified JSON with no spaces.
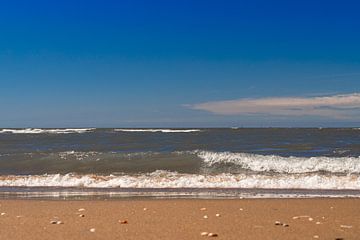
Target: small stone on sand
{"x":3,"y":214}
{"x":277,"y":223}
{"x":298,"y":217}
{"x":92,"y":229}
{"x":311,"y":219}
{"x":81,"y":209}
{"x":205,"y":216}
{"x":123,"y":221}
{"x":316,"y":236}
{"x":318,"y":223}
{"x":241,"y":209}
{"x":212,"y":235}
{"x":56,"y":222}
{"x":203,"y":209}
{"x":145,"y":209}
{"x":345,"y":226}
{"x":285,"y":225}
{"x":81,"y":215}
{"x":204,"y":233}
{"x":217,"y":215}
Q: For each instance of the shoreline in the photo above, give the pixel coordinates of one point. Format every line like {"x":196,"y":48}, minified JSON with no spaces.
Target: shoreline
{"x":311,"y":218}
{"x":76,"y":193}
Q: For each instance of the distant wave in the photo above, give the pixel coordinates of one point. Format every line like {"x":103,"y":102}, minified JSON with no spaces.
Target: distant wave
{"x":166,"y":179}
{"x":158,"y":130}
{"x":43,"y":130}
{"x":278,"y":164}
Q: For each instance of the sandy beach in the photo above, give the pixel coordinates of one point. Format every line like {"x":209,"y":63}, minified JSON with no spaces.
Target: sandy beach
{"x":181,"y":219}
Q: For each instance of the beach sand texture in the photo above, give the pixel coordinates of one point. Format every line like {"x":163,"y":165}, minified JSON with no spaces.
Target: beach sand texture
{"x":181,"y":219}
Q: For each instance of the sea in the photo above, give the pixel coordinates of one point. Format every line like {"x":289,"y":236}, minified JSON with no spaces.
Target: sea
{"x":110,"y":163}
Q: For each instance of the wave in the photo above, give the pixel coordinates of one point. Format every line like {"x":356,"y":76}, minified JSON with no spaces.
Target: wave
{"x":166,"y":179}
{"x":278,"y":164}
{"x":42,"y":130}
{"x":158,"y":130}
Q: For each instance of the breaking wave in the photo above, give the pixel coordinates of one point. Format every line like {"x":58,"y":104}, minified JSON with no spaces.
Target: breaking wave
{"x":158,"y":130}
{"x":166,"y":179}
{"x":43,"y":130}
{"x":279,"y":164}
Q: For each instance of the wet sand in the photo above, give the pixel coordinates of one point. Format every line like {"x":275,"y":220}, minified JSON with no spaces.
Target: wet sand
{"x":181,"y":219}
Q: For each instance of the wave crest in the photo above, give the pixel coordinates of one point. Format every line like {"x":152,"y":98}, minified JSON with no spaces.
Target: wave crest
{"x":158,"y":130}
{"x":165,"y":179}
{"x":278,"y":164}
{"x":42,"y":130}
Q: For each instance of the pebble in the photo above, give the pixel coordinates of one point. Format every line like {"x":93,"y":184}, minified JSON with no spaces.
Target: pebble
{"x":123,"y":221}
{"x":303,"y":216}
{"x":81,"y":209}
{"x":316,"y":236}
{"x":311,"y":219}
{"x":241,"y":209}
{"x":205,"y":216}
{"x":278,"y":223}
{"x":212,"y":235}
{"x":3,"y":214}
{"x":345,"y":226}
{"x":217,"y":215}
{"x":204,"y":233}
{"x":318,"y":223}
{"x":81,"y":215}
{"x":56,"y":222}
{"x":92,"y":229}
{"x":203,"y":209}
{"x":145,"y":209}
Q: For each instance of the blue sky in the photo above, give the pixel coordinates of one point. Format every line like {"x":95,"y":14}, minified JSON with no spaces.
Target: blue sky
{"x":156,"y":63}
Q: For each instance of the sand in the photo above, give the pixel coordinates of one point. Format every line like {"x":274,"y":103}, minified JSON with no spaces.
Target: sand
{"x":181,"y":219}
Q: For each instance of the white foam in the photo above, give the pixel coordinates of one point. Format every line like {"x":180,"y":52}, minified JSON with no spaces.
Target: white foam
{"x":278,"y":164}
{"x":42,"y":130}
{"x":164,"y":179}
{"x":159,"y":130}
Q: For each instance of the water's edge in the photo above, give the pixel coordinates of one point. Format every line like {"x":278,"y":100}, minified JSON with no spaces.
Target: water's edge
{"x":61,"y":193}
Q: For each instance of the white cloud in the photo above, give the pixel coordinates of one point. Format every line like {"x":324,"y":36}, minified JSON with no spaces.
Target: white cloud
{"x":336,"y":106}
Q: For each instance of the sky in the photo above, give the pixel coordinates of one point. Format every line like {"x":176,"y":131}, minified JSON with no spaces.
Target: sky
{"x":135,"y":63}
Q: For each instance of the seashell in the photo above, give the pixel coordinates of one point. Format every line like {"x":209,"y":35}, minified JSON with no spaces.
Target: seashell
{"x":81,"y":209}
{"x":278,"y":223}
{"x":204,"y":233}
{"x":212,"y":235}
{"x":123,"y":221}
{"x":59,"y":222}
{"x":285,"y":225}
{"x":53,"y":222}
{"x":92,"y":230}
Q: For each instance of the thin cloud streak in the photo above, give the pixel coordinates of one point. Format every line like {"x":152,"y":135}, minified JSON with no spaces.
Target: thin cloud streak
{"x":346,"y":106}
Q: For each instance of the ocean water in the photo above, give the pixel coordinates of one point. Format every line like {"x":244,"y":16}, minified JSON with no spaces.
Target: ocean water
{"x":230,"y":162}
